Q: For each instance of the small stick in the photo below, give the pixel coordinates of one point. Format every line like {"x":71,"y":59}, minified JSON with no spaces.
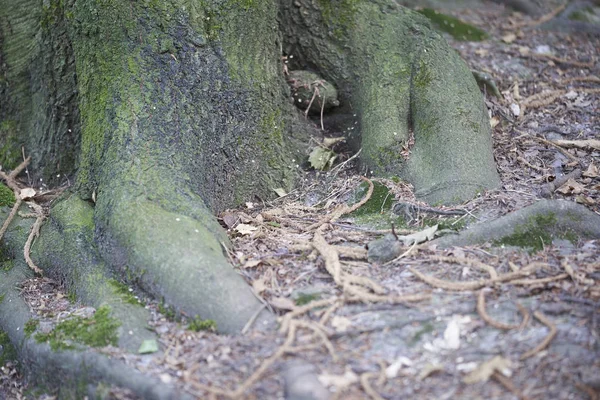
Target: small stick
{"x":544,"y":320}
{"x":486,"y":317}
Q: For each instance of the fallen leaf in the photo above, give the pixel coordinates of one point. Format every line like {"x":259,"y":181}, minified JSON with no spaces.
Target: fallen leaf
{"x":524,"y":50}
{"x":280,"y":192}
{"x":571,"y":187}
{"x":329,"y":142}
{"x":282,"y":303}
{"x":585,"y":200}
{"x":419,"y":237}
{"x":509,"y":38}
{"x":430,"y":369}
{"x":341,"y":324}
{"x":249,"y":205}
{"x":515,"y":109}
{"x":259,"y":285}
{"x":321,"y":158}
{"x":230,"y":219}
{"x":482,"y":52}
{"x":394,"y":368}
{"x":591,"y":171}
{"x":487,"y":368}
{"x":148,"y":346}
{"x":494,"y":121}
{"x":27,"y":193}
{"x":245,"y":229}
{"x":340,"y":382}
{"x":252,"y":263}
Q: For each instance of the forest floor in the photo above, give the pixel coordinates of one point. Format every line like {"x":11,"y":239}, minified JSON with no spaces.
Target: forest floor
{"x":536,"y":337}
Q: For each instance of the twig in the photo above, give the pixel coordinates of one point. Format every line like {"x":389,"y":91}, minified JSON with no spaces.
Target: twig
{"x":544,"y":320}
{"x":524,"y":282}
{"x":12,"y":214}
{"x":543,"y":18}
{"x":366,"y":385}
{"x":504,"y":381}
{"x":486,"y":317}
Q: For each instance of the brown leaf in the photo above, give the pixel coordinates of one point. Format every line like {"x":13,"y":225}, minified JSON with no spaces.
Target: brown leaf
{"x":591,"y":171}
{"x":487,"y":368}
{"x":571,"y":187}
{"x":251,"y":263}
{"x":282,"y":303}
{"x":230,"y":219}
{"x":259,"y":285}
{"x":509,"y":38}
{"x":246,"y":229}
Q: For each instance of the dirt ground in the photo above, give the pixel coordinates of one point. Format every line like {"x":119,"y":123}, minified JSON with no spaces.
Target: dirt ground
{"x":356,"y":329}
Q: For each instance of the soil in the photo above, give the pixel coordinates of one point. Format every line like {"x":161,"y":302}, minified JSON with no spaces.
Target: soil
{"x":535,"y":337}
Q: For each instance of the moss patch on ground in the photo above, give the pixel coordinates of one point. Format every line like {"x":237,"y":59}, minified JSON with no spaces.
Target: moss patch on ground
{"x":97,"y":331}
{"x":7,"y":197}
{"x":198,"y":324}
{"x":7,"y":350}
{"x":380,"y":201}
{"x":31,"y":326}
{"x":454,"y":26}
{"x":124,"y":292}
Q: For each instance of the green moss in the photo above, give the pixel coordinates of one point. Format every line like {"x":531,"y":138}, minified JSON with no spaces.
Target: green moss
{"x":305,"y":298}
{"x":7,"y":197}
{"x":7,"y":265}
{"x":2,"y":297}
{"x":198,"y":324}
{"x":425,"y":329}
{"x":380,"y":201}
{"x":536,"y":233}
{"x":338,"y":15}
{"x":8,"y":352}
{"x":167,"y":311}
{"x":31,"y":326}
{"x":454,"y":26}
{"x":97,"y":331}
{"x":10,"y":144}
{"x":124,"y":292}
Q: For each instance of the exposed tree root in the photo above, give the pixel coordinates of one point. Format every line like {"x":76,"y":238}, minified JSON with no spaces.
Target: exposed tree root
{"x":366,"y":385}
{"x":471,"y":262}
{"x":544,"y":320}
{"x":35,"y":232}
{"x":486,"y":317}
{"x":542,"y":19}
{"x":342,"y":210}
{"x":504,"y":381}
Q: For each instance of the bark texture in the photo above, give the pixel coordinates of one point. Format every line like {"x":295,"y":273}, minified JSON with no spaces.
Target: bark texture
{"x":399,"y":80}
{"x":165,"y":112}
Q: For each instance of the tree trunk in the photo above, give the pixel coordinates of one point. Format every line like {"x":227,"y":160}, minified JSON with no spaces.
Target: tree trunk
{"x":165,"y":112}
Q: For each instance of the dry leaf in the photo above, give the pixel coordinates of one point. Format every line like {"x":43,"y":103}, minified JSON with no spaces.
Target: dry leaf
{"x":27,"y":193}
{"x":230,"y":219}
{"x":509,"y":38}
{"x":246,"y":229}
{"x":394,"y":368}
{"x":340,"y":382}
{"x":282,"y":303}
{"x":252,"y":263}
{"x":329,"y":142}
{"x":430,"y":369}
{"x":482,"y":52}
{"x":591,"y":171}
{"x":259,"y":285}
{"x":340,"y":324}
{"x":280,"y":192}
{"x":486,"y":369}
{"x":494,"y":121}
{"x":524,"y":51}
{"x":419,"y":237}
{"x":571,"y":187}
{"x":515,"y":109}
{"x":585,"y":200}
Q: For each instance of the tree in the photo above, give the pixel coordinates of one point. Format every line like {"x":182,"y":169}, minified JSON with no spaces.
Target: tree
{"x":162,"y":113}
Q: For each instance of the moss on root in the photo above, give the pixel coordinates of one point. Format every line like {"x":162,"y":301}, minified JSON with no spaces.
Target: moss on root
{"x":7,"y":350}
{"x":536,"y":233}
{"x":97,"y":331}
{"x":454,"y":26}
{"x":7,"y":197}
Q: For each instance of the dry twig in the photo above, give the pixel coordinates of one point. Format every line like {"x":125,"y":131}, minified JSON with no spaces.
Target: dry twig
{"x":486,"y":317}
{"x":544,"y":320}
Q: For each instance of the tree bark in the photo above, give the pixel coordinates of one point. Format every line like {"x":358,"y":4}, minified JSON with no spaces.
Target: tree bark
{"x":165,"y":112}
